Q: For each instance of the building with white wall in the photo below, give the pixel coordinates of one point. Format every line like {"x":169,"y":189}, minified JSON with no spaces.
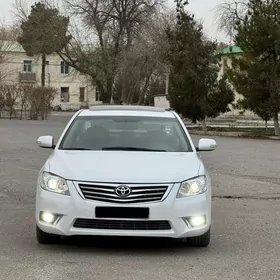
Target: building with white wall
{"x":226,"y":56}
{"x":74,"y":88}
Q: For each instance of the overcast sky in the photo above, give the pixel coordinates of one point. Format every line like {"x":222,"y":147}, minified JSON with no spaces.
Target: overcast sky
{"x":203,"y":9}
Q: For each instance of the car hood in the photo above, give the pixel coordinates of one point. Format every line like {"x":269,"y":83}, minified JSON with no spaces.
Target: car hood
{"x":124,"y":167}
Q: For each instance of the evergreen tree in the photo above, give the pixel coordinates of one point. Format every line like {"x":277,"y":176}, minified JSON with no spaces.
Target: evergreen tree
{"x":256,"y":74}
{"x":195,"y":90}
{"x":43,"y":33}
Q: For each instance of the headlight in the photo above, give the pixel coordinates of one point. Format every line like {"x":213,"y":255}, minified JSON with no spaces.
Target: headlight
{"x":192,"y":187}
{"x":54,"y":183}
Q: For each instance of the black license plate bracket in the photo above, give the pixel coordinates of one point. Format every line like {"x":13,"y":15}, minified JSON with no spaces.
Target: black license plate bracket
{"x":122,"y":212}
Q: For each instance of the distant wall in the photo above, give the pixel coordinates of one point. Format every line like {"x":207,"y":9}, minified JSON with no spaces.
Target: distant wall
{"x":161,"y":102}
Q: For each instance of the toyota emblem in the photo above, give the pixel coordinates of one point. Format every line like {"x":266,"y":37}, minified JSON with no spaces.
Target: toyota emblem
{"x":123,"y":190}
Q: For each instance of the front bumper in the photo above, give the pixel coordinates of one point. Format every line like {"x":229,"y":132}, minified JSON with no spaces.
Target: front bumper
{"x":170,"y":209}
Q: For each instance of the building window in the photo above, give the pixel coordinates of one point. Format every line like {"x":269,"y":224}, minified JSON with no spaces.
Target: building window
{"x":64,"y":94}
{"x":82,"y":94}
{"x":64,"y":68}
{"x":97,"y":94}
{"x":27,"y":66}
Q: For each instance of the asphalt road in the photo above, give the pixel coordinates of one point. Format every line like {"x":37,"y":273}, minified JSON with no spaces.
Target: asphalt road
{"x":246,"y":214}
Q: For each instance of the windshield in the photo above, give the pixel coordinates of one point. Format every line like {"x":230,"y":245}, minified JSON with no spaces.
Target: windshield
{"x":130,"y":133}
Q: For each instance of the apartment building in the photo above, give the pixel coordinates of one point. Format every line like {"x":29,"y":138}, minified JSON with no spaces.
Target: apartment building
{"x":74,"y":88}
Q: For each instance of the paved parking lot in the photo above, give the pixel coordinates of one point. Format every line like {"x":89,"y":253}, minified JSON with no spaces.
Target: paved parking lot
{"x":246,"y":215}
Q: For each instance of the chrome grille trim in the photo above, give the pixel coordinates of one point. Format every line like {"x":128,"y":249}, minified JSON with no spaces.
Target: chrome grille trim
{"x":140,"y":193}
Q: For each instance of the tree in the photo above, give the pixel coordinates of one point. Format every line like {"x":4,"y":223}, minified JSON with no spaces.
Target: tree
{"x":228,"y":13}
{"x":221,"y":45}
{"x":195,"y":91}
{"x":9,"y":32}
{"x":43,"y":33}
{"x":111,"y":27}
{"x":143,"y":73}
{"x":256,"y":74}
{"x":7,"y":36}
{"x":257,"y":104}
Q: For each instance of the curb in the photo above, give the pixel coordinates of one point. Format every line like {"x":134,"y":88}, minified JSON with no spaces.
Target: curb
{"x":234,"y":134}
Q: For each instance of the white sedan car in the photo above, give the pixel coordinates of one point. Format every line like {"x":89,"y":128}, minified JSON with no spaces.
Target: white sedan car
{"x":124,"y":171}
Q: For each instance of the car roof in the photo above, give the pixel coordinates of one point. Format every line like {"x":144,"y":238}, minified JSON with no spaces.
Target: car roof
{"x":127,"y":110}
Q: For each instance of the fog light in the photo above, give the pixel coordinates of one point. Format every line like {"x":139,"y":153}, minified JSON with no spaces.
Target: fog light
{"x":197,"y":221}
{"x":48,"y":217}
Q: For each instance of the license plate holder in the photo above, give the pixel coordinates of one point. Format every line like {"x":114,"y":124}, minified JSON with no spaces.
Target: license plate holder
{"x":122,"y":212}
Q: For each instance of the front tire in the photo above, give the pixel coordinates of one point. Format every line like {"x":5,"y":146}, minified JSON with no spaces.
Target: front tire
{"x":200,"y":241}
{"x":46,"y":238}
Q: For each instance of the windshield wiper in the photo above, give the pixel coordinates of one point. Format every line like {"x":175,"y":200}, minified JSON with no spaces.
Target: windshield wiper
{"x":77,"y":149}
{"x":120,"y":148}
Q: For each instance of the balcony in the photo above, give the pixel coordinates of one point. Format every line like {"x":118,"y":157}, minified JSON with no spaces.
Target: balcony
{"x":27,"y":77}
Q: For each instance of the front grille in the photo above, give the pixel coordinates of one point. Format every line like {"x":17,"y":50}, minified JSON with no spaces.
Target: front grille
{"x":138,"y":193}
{"x":122,"y":224}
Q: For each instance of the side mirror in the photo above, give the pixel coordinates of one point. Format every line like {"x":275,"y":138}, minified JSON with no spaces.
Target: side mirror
{"x":46,"y":142}
{"x":206,"y":144}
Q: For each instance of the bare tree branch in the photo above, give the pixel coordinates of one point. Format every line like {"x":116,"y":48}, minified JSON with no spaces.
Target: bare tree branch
{"x":113,"y":25}
{"x":228,"y":13}
{"x":21,"y":10}
{"x":8,"y":35}
{"x":144,"y":68}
